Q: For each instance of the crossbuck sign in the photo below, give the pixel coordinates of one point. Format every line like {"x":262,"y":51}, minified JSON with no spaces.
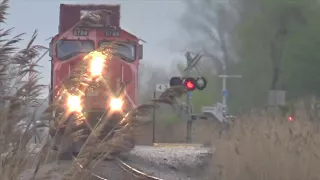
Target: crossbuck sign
{"x":162,"y":87}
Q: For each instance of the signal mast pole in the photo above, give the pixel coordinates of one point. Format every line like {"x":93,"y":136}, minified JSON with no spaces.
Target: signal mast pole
{"x":191,"y":63}
{"x":188,"y":101}
{"x":224,"y":88}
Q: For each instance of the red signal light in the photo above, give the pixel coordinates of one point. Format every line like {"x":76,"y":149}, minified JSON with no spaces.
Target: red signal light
{"x":290,"y":118}
{"x":190,"y":84}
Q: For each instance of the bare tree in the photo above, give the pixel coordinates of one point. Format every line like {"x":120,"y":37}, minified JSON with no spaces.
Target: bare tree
{"x":210,"y":24}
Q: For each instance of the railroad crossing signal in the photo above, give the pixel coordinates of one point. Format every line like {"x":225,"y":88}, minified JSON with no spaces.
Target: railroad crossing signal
{"x":190,"y":83}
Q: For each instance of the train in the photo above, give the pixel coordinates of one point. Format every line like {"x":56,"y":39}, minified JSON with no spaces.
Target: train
{"x":75,"y":40}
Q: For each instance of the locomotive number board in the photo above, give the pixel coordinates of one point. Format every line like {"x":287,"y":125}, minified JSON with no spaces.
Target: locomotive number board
{"x":80,"y":32}
{"x":112,"y":33}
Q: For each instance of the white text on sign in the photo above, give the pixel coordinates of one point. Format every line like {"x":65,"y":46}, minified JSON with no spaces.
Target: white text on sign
{"x":162,"y":87}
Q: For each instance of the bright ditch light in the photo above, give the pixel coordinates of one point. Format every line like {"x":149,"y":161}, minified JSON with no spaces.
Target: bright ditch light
{"x":116,"y":104}
{"x":74,"y":103}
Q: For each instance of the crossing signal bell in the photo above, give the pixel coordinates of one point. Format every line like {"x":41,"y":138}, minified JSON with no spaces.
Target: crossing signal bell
{"x":189,"y":83}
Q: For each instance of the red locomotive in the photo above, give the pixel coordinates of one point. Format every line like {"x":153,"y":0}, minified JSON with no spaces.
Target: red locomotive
{"x":76,"y":40}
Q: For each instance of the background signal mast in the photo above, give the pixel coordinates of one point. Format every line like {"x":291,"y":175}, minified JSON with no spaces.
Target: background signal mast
{"x":191,"y":84}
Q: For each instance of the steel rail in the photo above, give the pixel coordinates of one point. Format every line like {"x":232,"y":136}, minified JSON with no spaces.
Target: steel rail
{"x":124,"y":166}
{"x":134,"y":171}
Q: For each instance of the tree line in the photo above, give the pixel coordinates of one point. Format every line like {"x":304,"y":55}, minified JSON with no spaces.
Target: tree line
{"x":273,"y":44}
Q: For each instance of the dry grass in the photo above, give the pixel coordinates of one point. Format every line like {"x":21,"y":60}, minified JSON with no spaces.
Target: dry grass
{"x":20,"y":89}
{"x":261,"y":145}
{"x":264,"y":146}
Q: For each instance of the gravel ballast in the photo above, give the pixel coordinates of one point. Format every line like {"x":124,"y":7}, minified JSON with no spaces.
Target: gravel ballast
{"x":168,"y":163}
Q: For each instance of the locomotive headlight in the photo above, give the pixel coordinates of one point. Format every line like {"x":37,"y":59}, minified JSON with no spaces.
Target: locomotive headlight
{"x":96,"y":65}
{"x":116,"y":104}
{"x":74,"y":103}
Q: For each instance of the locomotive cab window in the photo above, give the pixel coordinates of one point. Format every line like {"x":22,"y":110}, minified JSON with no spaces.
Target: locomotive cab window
{"x":67,"y":49}
{"x":125,"y":50}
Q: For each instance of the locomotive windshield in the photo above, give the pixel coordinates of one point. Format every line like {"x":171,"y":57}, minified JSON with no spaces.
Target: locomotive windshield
{"x":66,"y":49}
{"x":126,"y":51}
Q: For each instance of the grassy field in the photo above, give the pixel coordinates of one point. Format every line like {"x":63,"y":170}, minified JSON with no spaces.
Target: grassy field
{"x":261,"y":145}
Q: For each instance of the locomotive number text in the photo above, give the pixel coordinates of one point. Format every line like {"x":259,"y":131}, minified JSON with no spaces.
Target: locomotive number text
{"x":112,"y":33}
{"x":80,"y":32}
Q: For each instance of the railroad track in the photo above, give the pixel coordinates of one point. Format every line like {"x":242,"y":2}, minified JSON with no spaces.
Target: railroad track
{"x":128,"y":169}
{"x":136,"y":173}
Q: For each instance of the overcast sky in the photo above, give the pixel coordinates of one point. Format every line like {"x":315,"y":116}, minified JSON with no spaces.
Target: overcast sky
{"x":154,"y":21}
